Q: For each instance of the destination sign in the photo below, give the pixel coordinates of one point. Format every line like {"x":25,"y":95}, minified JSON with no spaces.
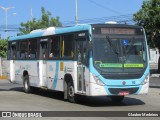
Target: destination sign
{"x":124,"y":31}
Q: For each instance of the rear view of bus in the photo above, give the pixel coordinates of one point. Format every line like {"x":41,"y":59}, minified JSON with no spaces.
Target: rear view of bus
{"x":119,"y":61}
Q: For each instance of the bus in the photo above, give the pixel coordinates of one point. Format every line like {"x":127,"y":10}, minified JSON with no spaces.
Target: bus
{"x":89,"y":60}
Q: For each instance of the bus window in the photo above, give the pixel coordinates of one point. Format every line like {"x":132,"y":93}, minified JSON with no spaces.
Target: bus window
{"x":9,"y":51}
{"x":43,"y":50}
{"x":23,"y":49}
{"x":54,"y":50}
{"x":33,"y":49}
{"x":17,"y":50}
{"x":13,"y":52}
{"x":67,"y":46}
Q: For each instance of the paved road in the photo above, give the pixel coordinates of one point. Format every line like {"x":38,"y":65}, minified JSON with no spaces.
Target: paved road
{"x":12,"y":98}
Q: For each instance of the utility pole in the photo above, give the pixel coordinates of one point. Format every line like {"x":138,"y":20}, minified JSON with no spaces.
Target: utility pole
{"x":31,"y":15}
{"x":6,"y":18}
{"x":76,"y":12}
{"x":31,"y":19}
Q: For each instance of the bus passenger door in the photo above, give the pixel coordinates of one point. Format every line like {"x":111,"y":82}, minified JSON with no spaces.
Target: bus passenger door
{"x":12,"y":61}
{"x":42,"y":63}
{"x":81,"y":68}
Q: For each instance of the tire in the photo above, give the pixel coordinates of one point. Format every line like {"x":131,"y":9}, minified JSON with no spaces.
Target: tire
{"x":70,"y":93}
{"x":27,"y":88}
{"x":117,"y":99}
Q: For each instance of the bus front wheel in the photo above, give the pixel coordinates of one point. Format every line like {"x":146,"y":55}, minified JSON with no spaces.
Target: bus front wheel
{"x":26,"y":85}
{"x":117,"y":99}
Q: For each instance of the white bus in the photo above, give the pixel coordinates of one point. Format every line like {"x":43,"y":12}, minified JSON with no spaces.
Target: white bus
{"x":91,"y":60}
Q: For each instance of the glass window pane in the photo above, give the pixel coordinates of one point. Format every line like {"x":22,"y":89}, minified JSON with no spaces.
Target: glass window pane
{"x":33,"y":49}
{"x":24,"y":49}
{"x":54,"y":51}
{"x":67,"y":46}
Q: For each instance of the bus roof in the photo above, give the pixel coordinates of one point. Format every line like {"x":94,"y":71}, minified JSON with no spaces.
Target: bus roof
{"x":48,"y":31}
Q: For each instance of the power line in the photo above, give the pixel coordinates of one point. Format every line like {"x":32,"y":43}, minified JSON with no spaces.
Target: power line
{"x":120,"y":19}
{"x":13,"y":28}
{"x":104,"y":7}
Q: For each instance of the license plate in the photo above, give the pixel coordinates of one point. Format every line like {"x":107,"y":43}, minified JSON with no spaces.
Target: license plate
{"x":124,"y":93}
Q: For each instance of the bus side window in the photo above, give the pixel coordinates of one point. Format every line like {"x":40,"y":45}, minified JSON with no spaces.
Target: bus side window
{"x":51,"y":49}
{"x":23,"y":49}
{"x":44,"y":55}
{"x":9,"y":55}
{"x":32,"y":54}
{"x":13,"y":52}
{"x":68,"y":46}
{"x":54,"y":51}
{"x":43,"y":50}
{"x":33,"y":49}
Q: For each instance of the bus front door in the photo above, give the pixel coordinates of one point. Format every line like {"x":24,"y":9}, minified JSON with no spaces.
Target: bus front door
{"x":42,"y":64}
{"x":81,"y":55}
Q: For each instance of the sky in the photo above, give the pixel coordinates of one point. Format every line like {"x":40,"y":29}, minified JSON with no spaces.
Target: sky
{"x":65,"y":9}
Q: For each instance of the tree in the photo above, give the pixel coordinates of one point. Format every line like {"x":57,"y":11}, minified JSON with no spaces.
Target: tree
{"x":149,"y":17}
{"x":46,"y":21}
{"x":3,"y":48}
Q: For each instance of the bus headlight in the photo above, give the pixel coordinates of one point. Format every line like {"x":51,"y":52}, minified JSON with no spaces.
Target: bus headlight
{"x":98,"y":81}
{"x":146,"y":80}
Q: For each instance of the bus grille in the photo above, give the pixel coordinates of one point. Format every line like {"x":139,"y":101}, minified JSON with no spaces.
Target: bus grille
{"x":118,"y":90}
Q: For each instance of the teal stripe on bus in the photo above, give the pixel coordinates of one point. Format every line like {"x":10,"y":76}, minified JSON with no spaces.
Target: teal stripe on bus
{"x":73,"y":29}
{"x":56,"y":76}
{"x":32,"y":35}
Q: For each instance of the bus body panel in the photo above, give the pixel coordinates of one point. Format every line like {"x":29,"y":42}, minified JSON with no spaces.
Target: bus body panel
{"x":50,"y":76}
{"x":32,"y":67}
{"x":56,"y":70}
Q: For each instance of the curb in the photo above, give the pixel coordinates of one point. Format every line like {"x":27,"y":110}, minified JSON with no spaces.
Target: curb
{"x":3,"y":77}
{"x":154,"y":86}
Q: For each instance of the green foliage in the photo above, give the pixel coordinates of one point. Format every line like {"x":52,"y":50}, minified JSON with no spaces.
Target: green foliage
{"x":3,"y":48}
{"x":149,"y":17}
{"x":46,"y":21}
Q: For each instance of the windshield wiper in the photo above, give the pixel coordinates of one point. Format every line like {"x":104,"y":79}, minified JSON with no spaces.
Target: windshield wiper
{"x":112,"y":45}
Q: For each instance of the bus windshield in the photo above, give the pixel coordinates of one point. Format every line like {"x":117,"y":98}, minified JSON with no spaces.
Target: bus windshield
{"x":119,"y":53}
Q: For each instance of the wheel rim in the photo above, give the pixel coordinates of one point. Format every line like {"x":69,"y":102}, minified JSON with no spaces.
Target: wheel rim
{"x":26,"y":85}
{"x":71,"y":91}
